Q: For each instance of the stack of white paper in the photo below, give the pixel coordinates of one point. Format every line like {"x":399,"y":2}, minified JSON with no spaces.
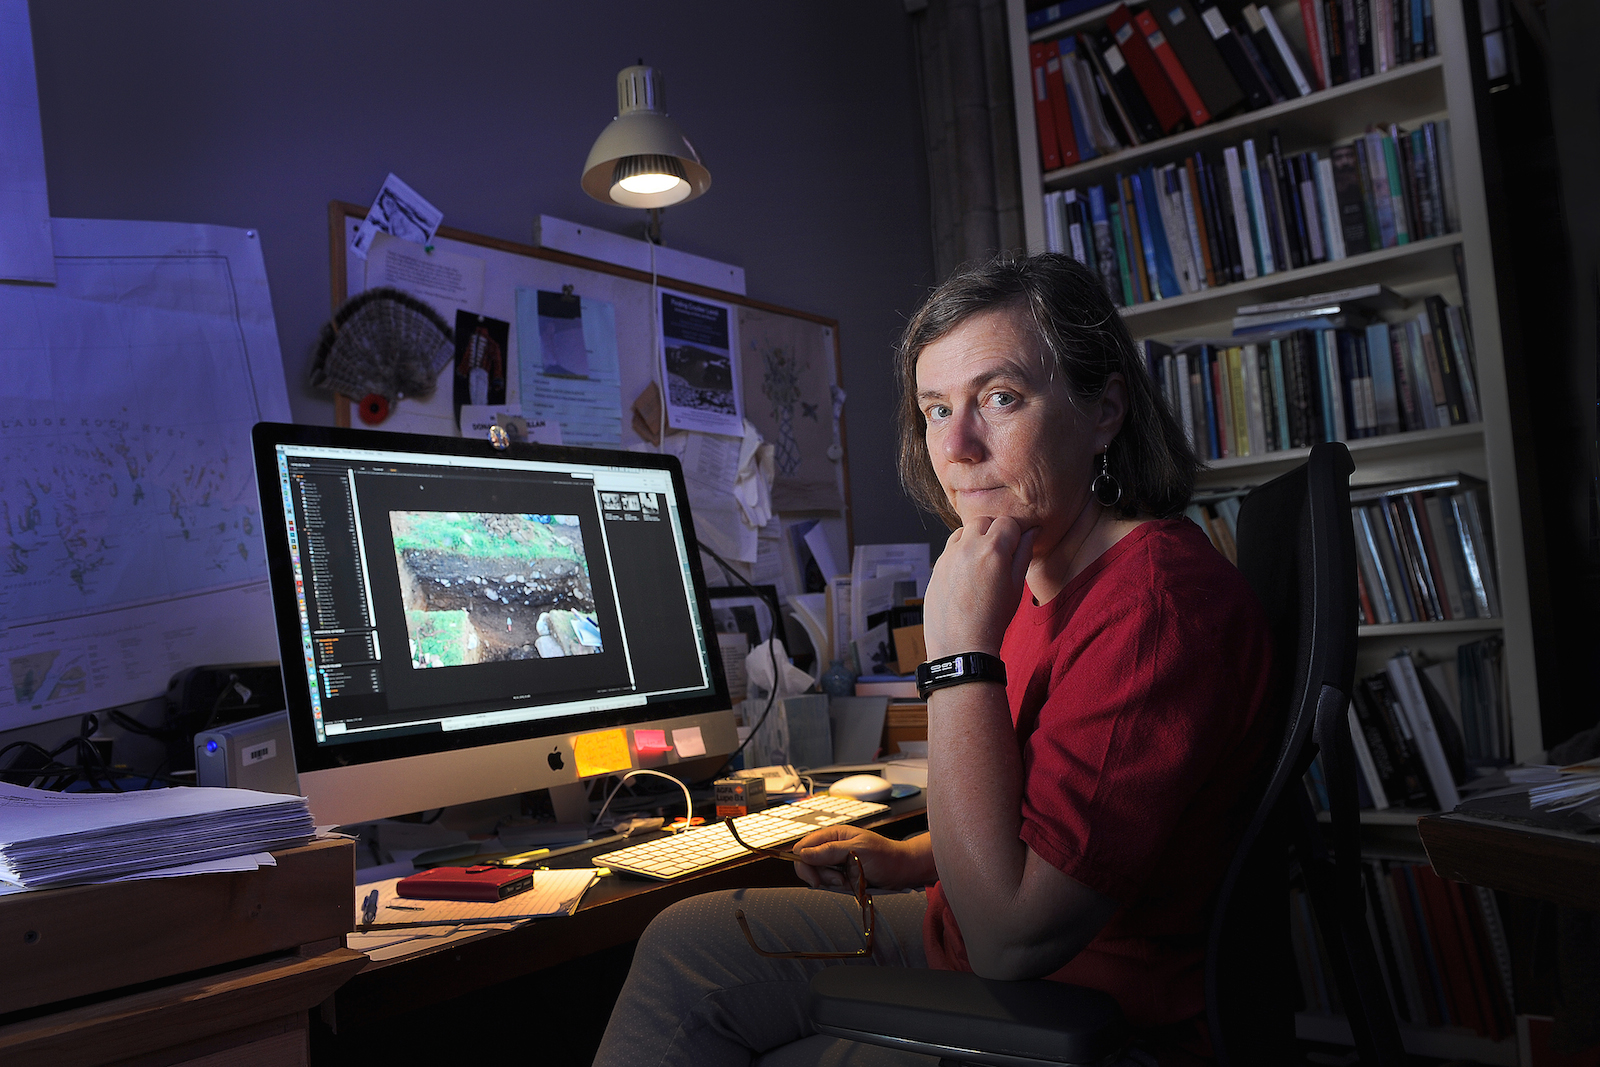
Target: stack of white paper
{"x":50,"y":839}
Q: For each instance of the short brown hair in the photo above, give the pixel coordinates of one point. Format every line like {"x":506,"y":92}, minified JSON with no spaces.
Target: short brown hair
{"x":1088,"y":341}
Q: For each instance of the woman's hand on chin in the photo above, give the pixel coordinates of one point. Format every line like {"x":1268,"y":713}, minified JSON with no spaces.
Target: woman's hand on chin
{"x":975,"y":587}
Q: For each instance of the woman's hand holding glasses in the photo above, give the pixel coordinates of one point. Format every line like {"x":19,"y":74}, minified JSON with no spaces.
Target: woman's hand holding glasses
{"x":889,"y":864}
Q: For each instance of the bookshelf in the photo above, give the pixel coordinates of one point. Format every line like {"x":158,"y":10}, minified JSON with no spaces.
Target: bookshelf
{"x":1458,"y":266}
{"x":1427,"y":90}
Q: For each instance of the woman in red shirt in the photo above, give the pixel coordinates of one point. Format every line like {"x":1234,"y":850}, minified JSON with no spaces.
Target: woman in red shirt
{"x":1082,"y":811}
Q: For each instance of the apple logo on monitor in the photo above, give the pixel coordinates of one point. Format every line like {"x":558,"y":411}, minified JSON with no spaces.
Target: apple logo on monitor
{"x":555,"y":760}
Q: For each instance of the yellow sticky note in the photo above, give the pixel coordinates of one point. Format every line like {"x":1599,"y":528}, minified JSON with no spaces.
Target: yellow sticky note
{"x":601,"y":753}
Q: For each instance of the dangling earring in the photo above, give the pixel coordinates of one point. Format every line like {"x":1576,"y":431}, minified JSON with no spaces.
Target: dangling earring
{"x":1105,"y":488}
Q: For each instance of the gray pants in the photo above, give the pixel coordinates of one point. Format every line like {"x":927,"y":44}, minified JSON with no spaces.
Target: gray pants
{"x":697,"y":995}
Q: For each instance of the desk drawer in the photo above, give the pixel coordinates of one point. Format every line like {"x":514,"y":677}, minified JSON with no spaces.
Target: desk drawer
{"x":56,"y":944}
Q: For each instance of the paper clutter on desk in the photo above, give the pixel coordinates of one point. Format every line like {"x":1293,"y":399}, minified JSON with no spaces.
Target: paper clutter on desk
{"x":50,"y":839}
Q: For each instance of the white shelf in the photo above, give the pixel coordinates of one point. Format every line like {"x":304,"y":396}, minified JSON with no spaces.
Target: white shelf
{"x":1308,"y":122}
{"x":1438,"y":626}
{"x":1418,"y":445}
{"x":1445,"y":1043}
{"x":1397,"y":266}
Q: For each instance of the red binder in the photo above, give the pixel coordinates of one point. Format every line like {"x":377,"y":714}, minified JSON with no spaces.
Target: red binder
{"x":1043,"y":115}
{"x":1056,"y":85}
{"x":1175,"y":72}
{"x":1158,"y":91}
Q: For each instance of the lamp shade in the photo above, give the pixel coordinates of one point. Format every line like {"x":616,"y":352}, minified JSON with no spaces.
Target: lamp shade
{"x":642,"y":159}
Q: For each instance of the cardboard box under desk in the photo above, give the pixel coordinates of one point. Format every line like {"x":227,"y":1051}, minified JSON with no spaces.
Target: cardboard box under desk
{"x":87,"y":939}
{"x":906,"y":721}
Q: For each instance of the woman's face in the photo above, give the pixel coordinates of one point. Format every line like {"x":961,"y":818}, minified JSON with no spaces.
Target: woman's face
{"x":1003,"y":431}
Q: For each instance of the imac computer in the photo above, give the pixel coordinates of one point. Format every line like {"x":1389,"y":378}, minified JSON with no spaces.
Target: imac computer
{"x":460,"y":622}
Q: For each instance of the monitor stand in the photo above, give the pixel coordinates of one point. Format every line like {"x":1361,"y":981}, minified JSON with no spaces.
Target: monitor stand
{"x":571,"y":802}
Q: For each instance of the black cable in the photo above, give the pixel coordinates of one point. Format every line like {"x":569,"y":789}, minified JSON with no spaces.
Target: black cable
{"x":772,"y":694}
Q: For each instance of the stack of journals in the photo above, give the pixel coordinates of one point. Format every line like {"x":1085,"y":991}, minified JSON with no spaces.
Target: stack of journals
{"x":1326,"y":377}
{"x":1198,"y":224}
{"x":1442,"y":950}
{"x":1143,"y":75}
{"x":50,"y":839}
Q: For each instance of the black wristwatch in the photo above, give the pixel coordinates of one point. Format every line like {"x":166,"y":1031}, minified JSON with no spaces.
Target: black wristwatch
{"x":959,"y":670}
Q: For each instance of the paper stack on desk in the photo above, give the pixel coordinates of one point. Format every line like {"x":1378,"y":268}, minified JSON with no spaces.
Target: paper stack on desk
{"x":49,"y":839}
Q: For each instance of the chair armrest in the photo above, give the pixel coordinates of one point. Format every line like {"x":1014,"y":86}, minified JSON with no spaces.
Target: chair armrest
{"x":966,"y":1018}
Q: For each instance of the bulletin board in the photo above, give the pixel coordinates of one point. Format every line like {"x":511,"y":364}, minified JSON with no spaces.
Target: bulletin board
{"x":789,"y":361}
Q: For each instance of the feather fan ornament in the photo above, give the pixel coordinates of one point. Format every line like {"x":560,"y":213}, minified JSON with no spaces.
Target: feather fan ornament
{"x":382,"y":343}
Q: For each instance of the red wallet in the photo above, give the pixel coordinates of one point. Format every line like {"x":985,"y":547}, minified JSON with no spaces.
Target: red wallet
{"x":465,"y":883}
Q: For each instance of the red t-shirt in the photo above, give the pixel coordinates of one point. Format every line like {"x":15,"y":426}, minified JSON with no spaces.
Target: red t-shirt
{"x":1137,"y":696}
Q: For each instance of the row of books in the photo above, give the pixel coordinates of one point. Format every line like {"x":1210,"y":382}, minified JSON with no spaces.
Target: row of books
{"x":1423,"y":549}
{"x":1442,"y":950}
{"x":1423,"y":552}
{"x":1250,"y":397}
{"x":1177,"y":65}
{"x":1161,"y":232}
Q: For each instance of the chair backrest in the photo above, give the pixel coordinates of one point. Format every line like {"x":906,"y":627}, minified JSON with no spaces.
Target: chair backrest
{"x":1297,"y":550}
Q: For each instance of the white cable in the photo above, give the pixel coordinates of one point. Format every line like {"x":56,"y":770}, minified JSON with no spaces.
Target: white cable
{"x":688,"y":802}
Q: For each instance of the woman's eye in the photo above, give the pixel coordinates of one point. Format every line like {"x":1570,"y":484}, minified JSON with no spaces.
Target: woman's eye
{"x":937,"y":412}
{"x":1003,"y":400}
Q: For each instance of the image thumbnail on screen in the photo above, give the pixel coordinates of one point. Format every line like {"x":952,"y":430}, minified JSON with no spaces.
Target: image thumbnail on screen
{"x":486,"y":587}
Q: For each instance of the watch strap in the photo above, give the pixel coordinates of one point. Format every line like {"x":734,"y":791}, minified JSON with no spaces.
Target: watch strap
{"x":959,"y":669}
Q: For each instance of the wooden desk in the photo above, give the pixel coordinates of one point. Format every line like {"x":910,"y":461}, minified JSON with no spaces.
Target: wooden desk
{"x":1551,"y":865}
{"x":211,"y":969}
{"x":615,"y":911}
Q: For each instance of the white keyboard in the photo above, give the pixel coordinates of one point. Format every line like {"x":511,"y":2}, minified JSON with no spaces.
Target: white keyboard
{"x":694,"y":850}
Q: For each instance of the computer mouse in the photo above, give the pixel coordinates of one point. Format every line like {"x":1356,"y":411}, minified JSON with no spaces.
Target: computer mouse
{"x":868,"y":787}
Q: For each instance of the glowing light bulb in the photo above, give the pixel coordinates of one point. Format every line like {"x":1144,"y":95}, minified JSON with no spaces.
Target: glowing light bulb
{"x":647,"y":184}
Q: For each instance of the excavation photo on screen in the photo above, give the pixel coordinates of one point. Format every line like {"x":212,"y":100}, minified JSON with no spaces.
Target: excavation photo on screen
{"x":486,"y":587}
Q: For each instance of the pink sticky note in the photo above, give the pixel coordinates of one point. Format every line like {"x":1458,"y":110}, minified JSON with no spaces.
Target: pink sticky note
{"x":647,"y":741}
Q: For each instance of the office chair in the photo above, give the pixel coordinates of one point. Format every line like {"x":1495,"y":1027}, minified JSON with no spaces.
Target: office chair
{"x":1297,"y":551}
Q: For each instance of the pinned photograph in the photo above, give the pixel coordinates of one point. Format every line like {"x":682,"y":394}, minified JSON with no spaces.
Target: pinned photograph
{"x":480,"y":376}
{"x":488,"y":587}
{"x":561,"y":335}
{"x":699,"y":363}
{"x":399,"y":211}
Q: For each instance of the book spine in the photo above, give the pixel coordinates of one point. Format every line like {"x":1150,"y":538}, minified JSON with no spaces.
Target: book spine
{"x":1439,"y":327}
{"x":1328,"y":208}
{"x":1470,"y":519}
{"x":1466,"y":361}
{"x":1150,"y":225}
{"x":1438,"y":1007}
{"x":1158,"y":92}
{"x":1256,"y":425}
{"x":1258,"y":63}
{"x":1310,"y":18}
{"x":1291,"y":62}
{"x":1397,"y":188}
{"x":1224,"y":391}
{"x":1145,"y":282}
{"x":1420,"y":547}
{"x":1367,"y":553}
{"x":1194,"y":222}
{"x":1056,"y":87}
{"x":1168,"y":59}
{"x":1332,"y":26}
{"x":1120,"y":236}
{"x":1352,"y":39}
{"x":1369,"y":770}
{"x":1044,"y":117}
{"x":1233,"y":56}
{"x":1403,"y":675}
{"x":1310,"y":208}
{"x":1280,"y":402}
{"x":1447,"y":568}
{"x":1105,"y":256}
{"x":1376,"y":174}
{"x":1269,"y":413}
{"x":1351,"y":202}
{"x":1261,"y":236}
{"x":1175,"y":228}
{"x":1200,"y":221}
{"x":1126,"y":88}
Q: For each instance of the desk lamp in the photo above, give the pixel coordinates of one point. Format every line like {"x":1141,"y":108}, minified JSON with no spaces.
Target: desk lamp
{"x":642,"y":159}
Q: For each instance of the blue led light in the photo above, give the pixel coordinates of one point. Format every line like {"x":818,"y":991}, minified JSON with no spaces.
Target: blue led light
{"x":211,"y":747}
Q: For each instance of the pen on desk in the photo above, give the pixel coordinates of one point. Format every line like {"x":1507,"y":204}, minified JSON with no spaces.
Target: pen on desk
{"x":404,"y":907}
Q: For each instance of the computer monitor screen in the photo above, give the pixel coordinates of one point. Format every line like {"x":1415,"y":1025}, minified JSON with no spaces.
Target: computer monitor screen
{"x":451,"y":615}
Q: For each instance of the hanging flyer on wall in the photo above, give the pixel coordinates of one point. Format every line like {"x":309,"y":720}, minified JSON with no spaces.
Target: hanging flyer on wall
{"x":699,"y":364}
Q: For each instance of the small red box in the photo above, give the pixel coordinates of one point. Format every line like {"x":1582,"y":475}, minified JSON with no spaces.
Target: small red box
{"x":485,"y":883}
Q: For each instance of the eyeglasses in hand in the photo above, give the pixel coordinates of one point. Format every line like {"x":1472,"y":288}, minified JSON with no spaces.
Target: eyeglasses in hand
{"x":869,"y":911}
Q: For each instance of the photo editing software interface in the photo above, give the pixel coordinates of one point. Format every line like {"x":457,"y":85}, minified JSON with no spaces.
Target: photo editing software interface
{"x":442,"y":593}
